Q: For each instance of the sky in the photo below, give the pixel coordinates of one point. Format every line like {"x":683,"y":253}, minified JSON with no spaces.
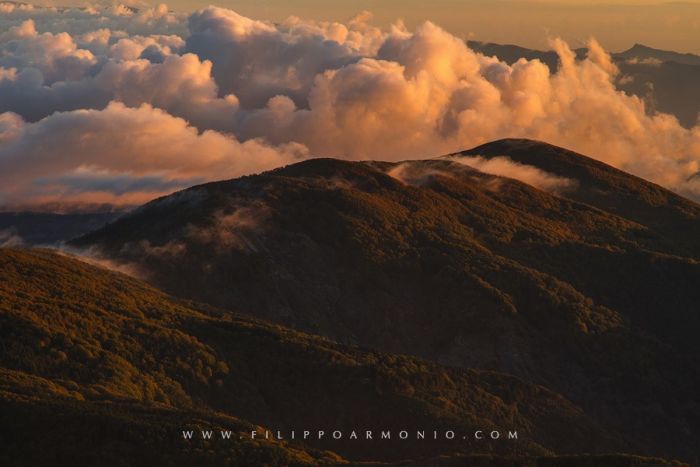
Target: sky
{"x":616,"y":25}
{"x":108,"y":105}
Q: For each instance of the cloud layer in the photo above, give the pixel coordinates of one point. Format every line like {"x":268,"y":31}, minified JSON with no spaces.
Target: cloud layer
{"x":114,"y":105}
{"x":120,"y":155}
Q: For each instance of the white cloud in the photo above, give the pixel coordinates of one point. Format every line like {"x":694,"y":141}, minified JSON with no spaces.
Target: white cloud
{"x":10,"y":239}
{"x":505,"y":167}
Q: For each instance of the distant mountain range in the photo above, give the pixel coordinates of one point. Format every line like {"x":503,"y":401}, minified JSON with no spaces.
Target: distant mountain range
{"x":666,"y":80}
{"x":590,"y":291}
{"x":641,"y":51}
{"x":45,"y":228}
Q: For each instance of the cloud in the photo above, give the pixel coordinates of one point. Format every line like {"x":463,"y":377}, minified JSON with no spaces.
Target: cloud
{"x":425,"y":94}
{"x":506,"y":167}
{"x":119,"y":105}
{"x":257,"y":60}
{"x":649,"y":61}
{"x":237,"y":230}
{"x":95,"y":257}
{"x":10,"y":239}
{"x":79,"y":20}
{"x":420,"y":173}
{"x":49,"y":79}
{"x":55,"y":56}
{"x":120,"y":155}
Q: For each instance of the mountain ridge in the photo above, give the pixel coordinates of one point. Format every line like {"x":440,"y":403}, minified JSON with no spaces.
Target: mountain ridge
{"x":436,"y":259}
{"x":96,"y":350}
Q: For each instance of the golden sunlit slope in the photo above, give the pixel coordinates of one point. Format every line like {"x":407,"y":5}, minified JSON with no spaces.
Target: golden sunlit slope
{"x":590,"y":291}
{"x":99,"y":368}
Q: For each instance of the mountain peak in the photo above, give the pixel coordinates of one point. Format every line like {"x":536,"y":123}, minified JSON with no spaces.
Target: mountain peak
{"x":606,"y":187}
{"x":638,"y":47}
{"x":439,"y":260}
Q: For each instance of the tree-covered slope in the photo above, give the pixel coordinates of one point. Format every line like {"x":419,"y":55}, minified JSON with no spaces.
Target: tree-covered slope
{"x":100,"y":368}
{"x":590,"y":291}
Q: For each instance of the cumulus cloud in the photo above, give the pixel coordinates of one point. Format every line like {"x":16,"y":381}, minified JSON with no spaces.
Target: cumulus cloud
{"x":425,"y":93}
{"x":118,"y":105}
{"x":257,"y":60}
{"x":79,"y":20}
{"x":120,"y":155}
{"x":44,"y":73}
{"x":55,"y":56}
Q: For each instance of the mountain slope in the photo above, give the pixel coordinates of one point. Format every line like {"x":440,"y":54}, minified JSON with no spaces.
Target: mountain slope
{"x":95,"y":356}
{"x":590,"y":294}
{"x":675,"y":218}
{"x":656,"y":266}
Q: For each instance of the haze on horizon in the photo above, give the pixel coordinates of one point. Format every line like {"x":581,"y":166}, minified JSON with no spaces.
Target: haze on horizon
{"x":616,"y":24}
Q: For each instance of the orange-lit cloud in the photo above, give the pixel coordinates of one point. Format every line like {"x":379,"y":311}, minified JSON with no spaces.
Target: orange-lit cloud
{"x":125,"y":108}
{"x":120,"y":155}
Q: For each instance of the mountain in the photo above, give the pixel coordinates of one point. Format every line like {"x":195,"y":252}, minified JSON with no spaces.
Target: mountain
{"x":667,"y":81}
{"x":38,"y":228}
{"x":511,"y":53}
{"x":590,"y":292}
{"x":673,"y":221}
{"x":642,"y":52}
{"x":95,"y":357}
{"x":668,"y":87}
